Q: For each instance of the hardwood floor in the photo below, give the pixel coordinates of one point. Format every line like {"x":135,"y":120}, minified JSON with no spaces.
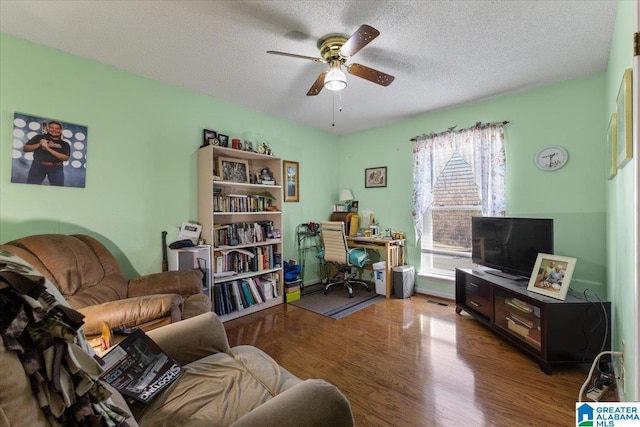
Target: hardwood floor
{"x":411,"y":362}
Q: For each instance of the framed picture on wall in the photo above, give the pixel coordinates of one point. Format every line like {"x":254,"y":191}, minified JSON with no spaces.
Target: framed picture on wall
{"x":375,"y":177}
{"x":291,"y":172}
{"x":551,"y":275}
{"x":624,"y":121}
{"x":48,"y":151}
{"x":612,"y":152}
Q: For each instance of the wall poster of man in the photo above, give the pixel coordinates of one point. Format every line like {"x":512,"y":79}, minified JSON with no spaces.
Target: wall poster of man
{"x":48,"y":152}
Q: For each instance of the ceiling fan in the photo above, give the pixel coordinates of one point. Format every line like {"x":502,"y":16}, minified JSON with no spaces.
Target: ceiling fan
{"x":336,"y":50}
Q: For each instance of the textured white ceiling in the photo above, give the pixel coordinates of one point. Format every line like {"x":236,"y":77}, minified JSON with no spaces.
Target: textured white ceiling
{"x":442,"y":53}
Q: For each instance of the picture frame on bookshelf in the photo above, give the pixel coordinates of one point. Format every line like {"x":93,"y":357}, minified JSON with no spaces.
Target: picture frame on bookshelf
{"x":223,"y":139}
{"x":291,"y":172}
{"x":233,"y":170}
{"x":209,"y":137}
{"x":551,"y":275}
{"x":624,"y":120}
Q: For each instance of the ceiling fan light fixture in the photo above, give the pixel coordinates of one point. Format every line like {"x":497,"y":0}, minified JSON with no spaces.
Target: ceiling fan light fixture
{"x":335,"y":79}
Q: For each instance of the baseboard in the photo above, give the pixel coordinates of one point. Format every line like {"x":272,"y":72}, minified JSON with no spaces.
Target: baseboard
{"x":312,"y":282}
{"x":435,"y":294}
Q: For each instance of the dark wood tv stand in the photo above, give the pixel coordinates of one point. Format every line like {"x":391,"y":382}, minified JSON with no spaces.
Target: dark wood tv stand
{"x":551,"y":331}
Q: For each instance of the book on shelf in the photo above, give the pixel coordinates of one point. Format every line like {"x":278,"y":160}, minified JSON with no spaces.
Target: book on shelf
{"x":247,"y":292}
{"x":254,"y":291}
{"x":260,"y":288}
{"x":138,"y":368}
{"x":273,"y":283}
{"x":235,"y":291}
{"x":517,"y":328}
{"x":218,"y":306}
{"x":226,"y":295}
{"x":243,"y":298}
{"x":519,"y":305}
{"x":534,"y":337}
{"x":529,"y":323}
{"x":267,"y":290}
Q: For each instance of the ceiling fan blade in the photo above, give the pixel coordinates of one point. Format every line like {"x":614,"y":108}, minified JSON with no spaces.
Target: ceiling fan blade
{"x":317,"y":85}
{"x":362,"y":37}
{"x":370,"y":74}
{"x":293,"y":55}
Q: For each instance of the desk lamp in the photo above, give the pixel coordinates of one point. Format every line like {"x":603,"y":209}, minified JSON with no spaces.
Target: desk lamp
{"x":346,"y":196}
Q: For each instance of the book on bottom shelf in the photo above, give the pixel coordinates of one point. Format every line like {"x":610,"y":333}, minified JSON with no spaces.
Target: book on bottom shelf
{"x":138,"y":368}
{"x":517,"y":327}
{"x":254,"y":291}
{"x":235,"y":291}
{"x":534,"y":337}
{"x":247,"y":292}
{"x":237,"y":295}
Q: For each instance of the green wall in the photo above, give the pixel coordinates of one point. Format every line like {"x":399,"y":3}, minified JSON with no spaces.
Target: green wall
{"x":570,"y":114}
{"x":142,"y":146}
{"x":621,"y":212}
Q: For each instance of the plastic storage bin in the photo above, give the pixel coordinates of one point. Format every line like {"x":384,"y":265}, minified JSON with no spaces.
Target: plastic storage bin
{"x":379,"y":270}
{"x":404,"y":278}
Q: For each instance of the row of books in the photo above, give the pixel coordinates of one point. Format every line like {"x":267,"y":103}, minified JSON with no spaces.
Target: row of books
{"x":242,"y":202}
{"x":530,"y":334}
{"x":523,"y":319}
{"x":245,"y":260}
{"x":242,"y":233}
{"x":238,"y":295}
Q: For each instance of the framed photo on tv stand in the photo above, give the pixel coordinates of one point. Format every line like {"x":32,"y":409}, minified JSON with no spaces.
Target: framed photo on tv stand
{"x":551,"y":275}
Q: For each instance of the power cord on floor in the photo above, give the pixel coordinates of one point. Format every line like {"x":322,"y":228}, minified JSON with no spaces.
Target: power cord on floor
{"x":600,"y":381}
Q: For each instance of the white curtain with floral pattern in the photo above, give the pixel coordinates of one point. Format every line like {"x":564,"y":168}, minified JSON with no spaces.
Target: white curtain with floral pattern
{"x":481,"y":146}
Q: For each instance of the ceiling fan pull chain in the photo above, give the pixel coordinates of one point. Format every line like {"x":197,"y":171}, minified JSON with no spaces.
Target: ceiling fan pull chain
{"x":333,"y":109}
{"x":340,"y":108}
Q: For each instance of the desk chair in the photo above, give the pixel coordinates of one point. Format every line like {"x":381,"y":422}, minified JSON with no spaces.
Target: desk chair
{"x":338,"y":253}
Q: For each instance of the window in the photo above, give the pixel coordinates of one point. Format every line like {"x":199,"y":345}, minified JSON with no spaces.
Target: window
{"x":457,"y":175}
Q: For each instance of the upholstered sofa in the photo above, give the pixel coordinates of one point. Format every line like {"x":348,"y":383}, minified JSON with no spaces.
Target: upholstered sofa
{"x":91,"y":281}
{"x":220,"y":386}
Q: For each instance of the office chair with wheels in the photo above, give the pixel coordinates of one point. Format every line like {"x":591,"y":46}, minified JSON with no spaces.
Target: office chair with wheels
{"x":338,"y":253}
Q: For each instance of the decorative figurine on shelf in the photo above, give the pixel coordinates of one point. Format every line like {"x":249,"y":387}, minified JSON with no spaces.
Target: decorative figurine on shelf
{"x":264,"y":148}
{"x":266,"y":177}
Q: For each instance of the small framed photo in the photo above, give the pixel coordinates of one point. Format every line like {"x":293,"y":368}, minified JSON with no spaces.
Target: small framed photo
{"x":291,"y":174}
{"x":624,"y":121}
{"x":209,"y":137}
{"x":375,"y":177}
{"x":233,"y":170}
{"x":224,"y":140}
{"x":248,"y":146}
{"x":612,"y":152}
{"x":551,"y":275}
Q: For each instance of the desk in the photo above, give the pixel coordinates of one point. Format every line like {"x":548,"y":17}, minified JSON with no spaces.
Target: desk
{"x":392,"y":249}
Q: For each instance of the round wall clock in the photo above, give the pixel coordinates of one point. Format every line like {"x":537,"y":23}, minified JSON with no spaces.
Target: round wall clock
{"x":551,"y":158}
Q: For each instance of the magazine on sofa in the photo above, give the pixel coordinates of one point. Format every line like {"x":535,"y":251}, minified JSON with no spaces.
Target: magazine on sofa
{"x":138,"y":368}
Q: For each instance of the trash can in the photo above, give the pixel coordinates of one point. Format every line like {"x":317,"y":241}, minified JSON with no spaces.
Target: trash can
{"x":404,"y":278}
{"x":379,"y":270}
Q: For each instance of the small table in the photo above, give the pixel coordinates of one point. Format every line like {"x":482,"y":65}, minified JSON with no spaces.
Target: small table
{"x":392,"y":249}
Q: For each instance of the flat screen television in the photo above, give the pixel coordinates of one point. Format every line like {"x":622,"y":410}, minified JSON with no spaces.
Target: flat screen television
{"x":510,"y":245}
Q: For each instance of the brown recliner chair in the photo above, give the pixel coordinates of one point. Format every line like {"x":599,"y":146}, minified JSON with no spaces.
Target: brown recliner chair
{"x":91,"y":281}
